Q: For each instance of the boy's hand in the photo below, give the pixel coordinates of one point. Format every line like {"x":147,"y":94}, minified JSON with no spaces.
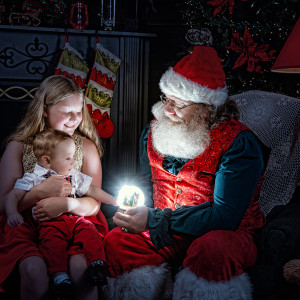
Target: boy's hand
{"x":15,"y":220}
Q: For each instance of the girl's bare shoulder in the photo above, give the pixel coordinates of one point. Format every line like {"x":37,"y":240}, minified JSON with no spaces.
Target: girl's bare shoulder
{"x":13,"y":148}
{"x":89,"y":146}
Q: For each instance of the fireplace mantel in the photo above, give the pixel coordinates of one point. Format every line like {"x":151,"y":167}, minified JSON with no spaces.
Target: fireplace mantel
{"x":30,"y":54}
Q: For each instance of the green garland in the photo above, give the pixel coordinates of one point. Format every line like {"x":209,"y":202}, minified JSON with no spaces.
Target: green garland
{"x":51,"y":12}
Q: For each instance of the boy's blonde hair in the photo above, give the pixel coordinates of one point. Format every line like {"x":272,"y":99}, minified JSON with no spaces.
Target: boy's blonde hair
{"x":51,"y":91}
{"x":45,"y":142}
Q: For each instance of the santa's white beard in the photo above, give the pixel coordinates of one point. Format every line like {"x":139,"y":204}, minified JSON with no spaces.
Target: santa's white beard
{"x":177,"y":138}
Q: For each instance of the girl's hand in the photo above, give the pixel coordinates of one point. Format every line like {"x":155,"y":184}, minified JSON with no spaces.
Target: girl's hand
{"x":54,"y":186}
{"x":50,"y":208}
{"x":134,"y":219}
{"x":15,"y":220}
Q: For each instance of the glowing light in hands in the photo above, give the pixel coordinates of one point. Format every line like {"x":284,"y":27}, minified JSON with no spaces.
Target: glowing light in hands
{"x":130,"y":196}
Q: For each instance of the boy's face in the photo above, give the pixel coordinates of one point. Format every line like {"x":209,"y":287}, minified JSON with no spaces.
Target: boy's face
{"x":62,"y":157}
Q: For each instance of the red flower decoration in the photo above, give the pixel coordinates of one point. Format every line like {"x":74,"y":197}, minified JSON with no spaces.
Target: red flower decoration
{"x":219,"y":4}
{"x":251,"y":52}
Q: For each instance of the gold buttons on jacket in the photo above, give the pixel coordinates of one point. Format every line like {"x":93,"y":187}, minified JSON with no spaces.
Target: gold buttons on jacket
{"x":177,"y":205}
{"x":179,"y":179}
{"x":178,"y":191}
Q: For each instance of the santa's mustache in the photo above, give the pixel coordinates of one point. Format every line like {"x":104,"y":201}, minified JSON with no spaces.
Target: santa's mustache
{"x":172,"y":136}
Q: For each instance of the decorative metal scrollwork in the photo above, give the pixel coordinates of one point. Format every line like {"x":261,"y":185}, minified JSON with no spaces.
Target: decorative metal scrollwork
{"x":17,"y":88}
{"x":35,"y":57}
{"x":200,"y":37}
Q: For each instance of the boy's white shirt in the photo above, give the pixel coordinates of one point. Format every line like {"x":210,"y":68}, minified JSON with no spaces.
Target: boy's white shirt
{"x":80,"y":182}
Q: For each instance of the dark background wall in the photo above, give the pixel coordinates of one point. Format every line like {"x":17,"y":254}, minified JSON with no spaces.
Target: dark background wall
{"x":269,"y":23}
{"x":160,"y":17}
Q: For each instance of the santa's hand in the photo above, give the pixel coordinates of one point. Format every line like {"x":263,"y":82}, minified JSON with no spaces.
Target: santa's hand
{"x":15,"y":220}
{"x":134,"y":220}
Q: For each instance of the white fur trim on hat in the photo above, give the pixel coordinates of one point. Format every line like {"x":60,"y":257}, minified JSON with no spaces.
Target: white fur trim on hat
{"x":174,"y":84}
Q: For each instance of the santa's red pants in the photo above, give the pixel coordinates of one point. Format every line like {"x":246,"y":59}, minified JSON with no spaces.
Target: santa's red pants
{"x":69,"y":235}
{"x":217,"y":255}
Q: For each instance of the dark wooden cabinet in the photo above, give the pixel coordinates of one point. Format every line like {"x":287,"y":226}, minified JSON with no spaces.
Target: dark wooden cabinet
{"x":30,"y":54}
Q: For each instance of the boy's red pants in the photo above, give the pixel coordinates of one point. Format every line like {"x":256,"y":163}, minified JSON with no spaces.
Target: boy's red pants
{"x":69,"y":235}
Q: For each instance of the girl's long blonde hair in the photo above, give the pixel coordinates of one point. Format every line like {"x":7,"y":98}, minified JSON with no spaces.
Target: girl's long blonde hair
{"x":51,"y":91}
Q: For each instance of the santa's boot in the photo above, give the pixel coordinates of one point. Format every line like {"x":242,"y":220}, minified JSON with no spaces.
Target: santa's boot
{"x":147,"y":283}
{"x":188,"y":286}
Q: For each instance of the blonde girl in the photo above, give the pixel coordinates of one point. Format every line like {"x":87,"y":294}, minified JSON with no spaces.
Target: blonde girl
{"x":58,"y":104}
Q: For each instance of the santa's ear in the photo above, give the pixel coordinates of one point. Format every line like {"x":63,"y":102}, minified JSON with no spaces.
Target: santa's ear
{"x":45,"y":161}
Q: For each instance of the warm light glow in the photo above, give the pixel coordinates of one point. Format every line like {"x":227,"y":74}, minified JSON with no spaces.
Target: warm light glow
{"x":130,"y":196}
{"x":288,"y":60}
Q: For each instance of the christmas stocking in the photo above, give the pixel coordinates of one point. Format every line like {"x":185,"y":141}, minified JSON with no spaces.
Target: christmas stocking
{"x":72,"y":64}
{"x":100,"y":90}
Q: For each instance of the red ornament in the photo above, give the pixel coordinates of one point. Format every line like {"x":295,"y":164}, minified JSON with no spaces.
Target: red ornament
{"x":79,"y":17}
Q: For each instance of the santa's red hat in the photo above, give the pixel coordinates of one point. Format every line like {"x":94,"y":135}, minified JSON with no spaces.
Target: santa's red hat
{"x":198,"y":77}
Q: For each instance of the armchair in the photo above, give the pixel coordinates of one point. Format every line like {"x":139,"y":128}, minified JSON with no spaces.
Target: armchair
{"x":275,"y":119}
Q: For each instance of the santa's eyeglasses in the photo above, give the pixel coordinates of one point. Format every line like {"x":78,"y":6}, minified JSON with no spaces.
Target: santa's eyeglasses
{"x":165,"y":100}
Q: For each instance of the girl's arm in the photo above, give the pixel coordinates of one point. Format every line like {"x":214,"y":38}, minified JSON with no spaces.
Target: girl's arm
{"x":14,"y":218}
{"x":92,"y":167}
{"x":10,"y":169}
{"x":54,"y":187}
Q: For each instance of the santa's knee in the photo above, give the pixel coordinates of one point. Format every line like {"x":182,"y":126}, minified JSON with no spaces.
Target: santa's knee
{"x":211,"y":259}
{"x":111,"y":242}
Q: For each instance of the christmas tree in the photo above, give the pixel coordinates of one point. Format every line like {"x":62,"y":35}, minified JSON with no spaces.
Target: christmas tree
{"x":248,"y":35}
